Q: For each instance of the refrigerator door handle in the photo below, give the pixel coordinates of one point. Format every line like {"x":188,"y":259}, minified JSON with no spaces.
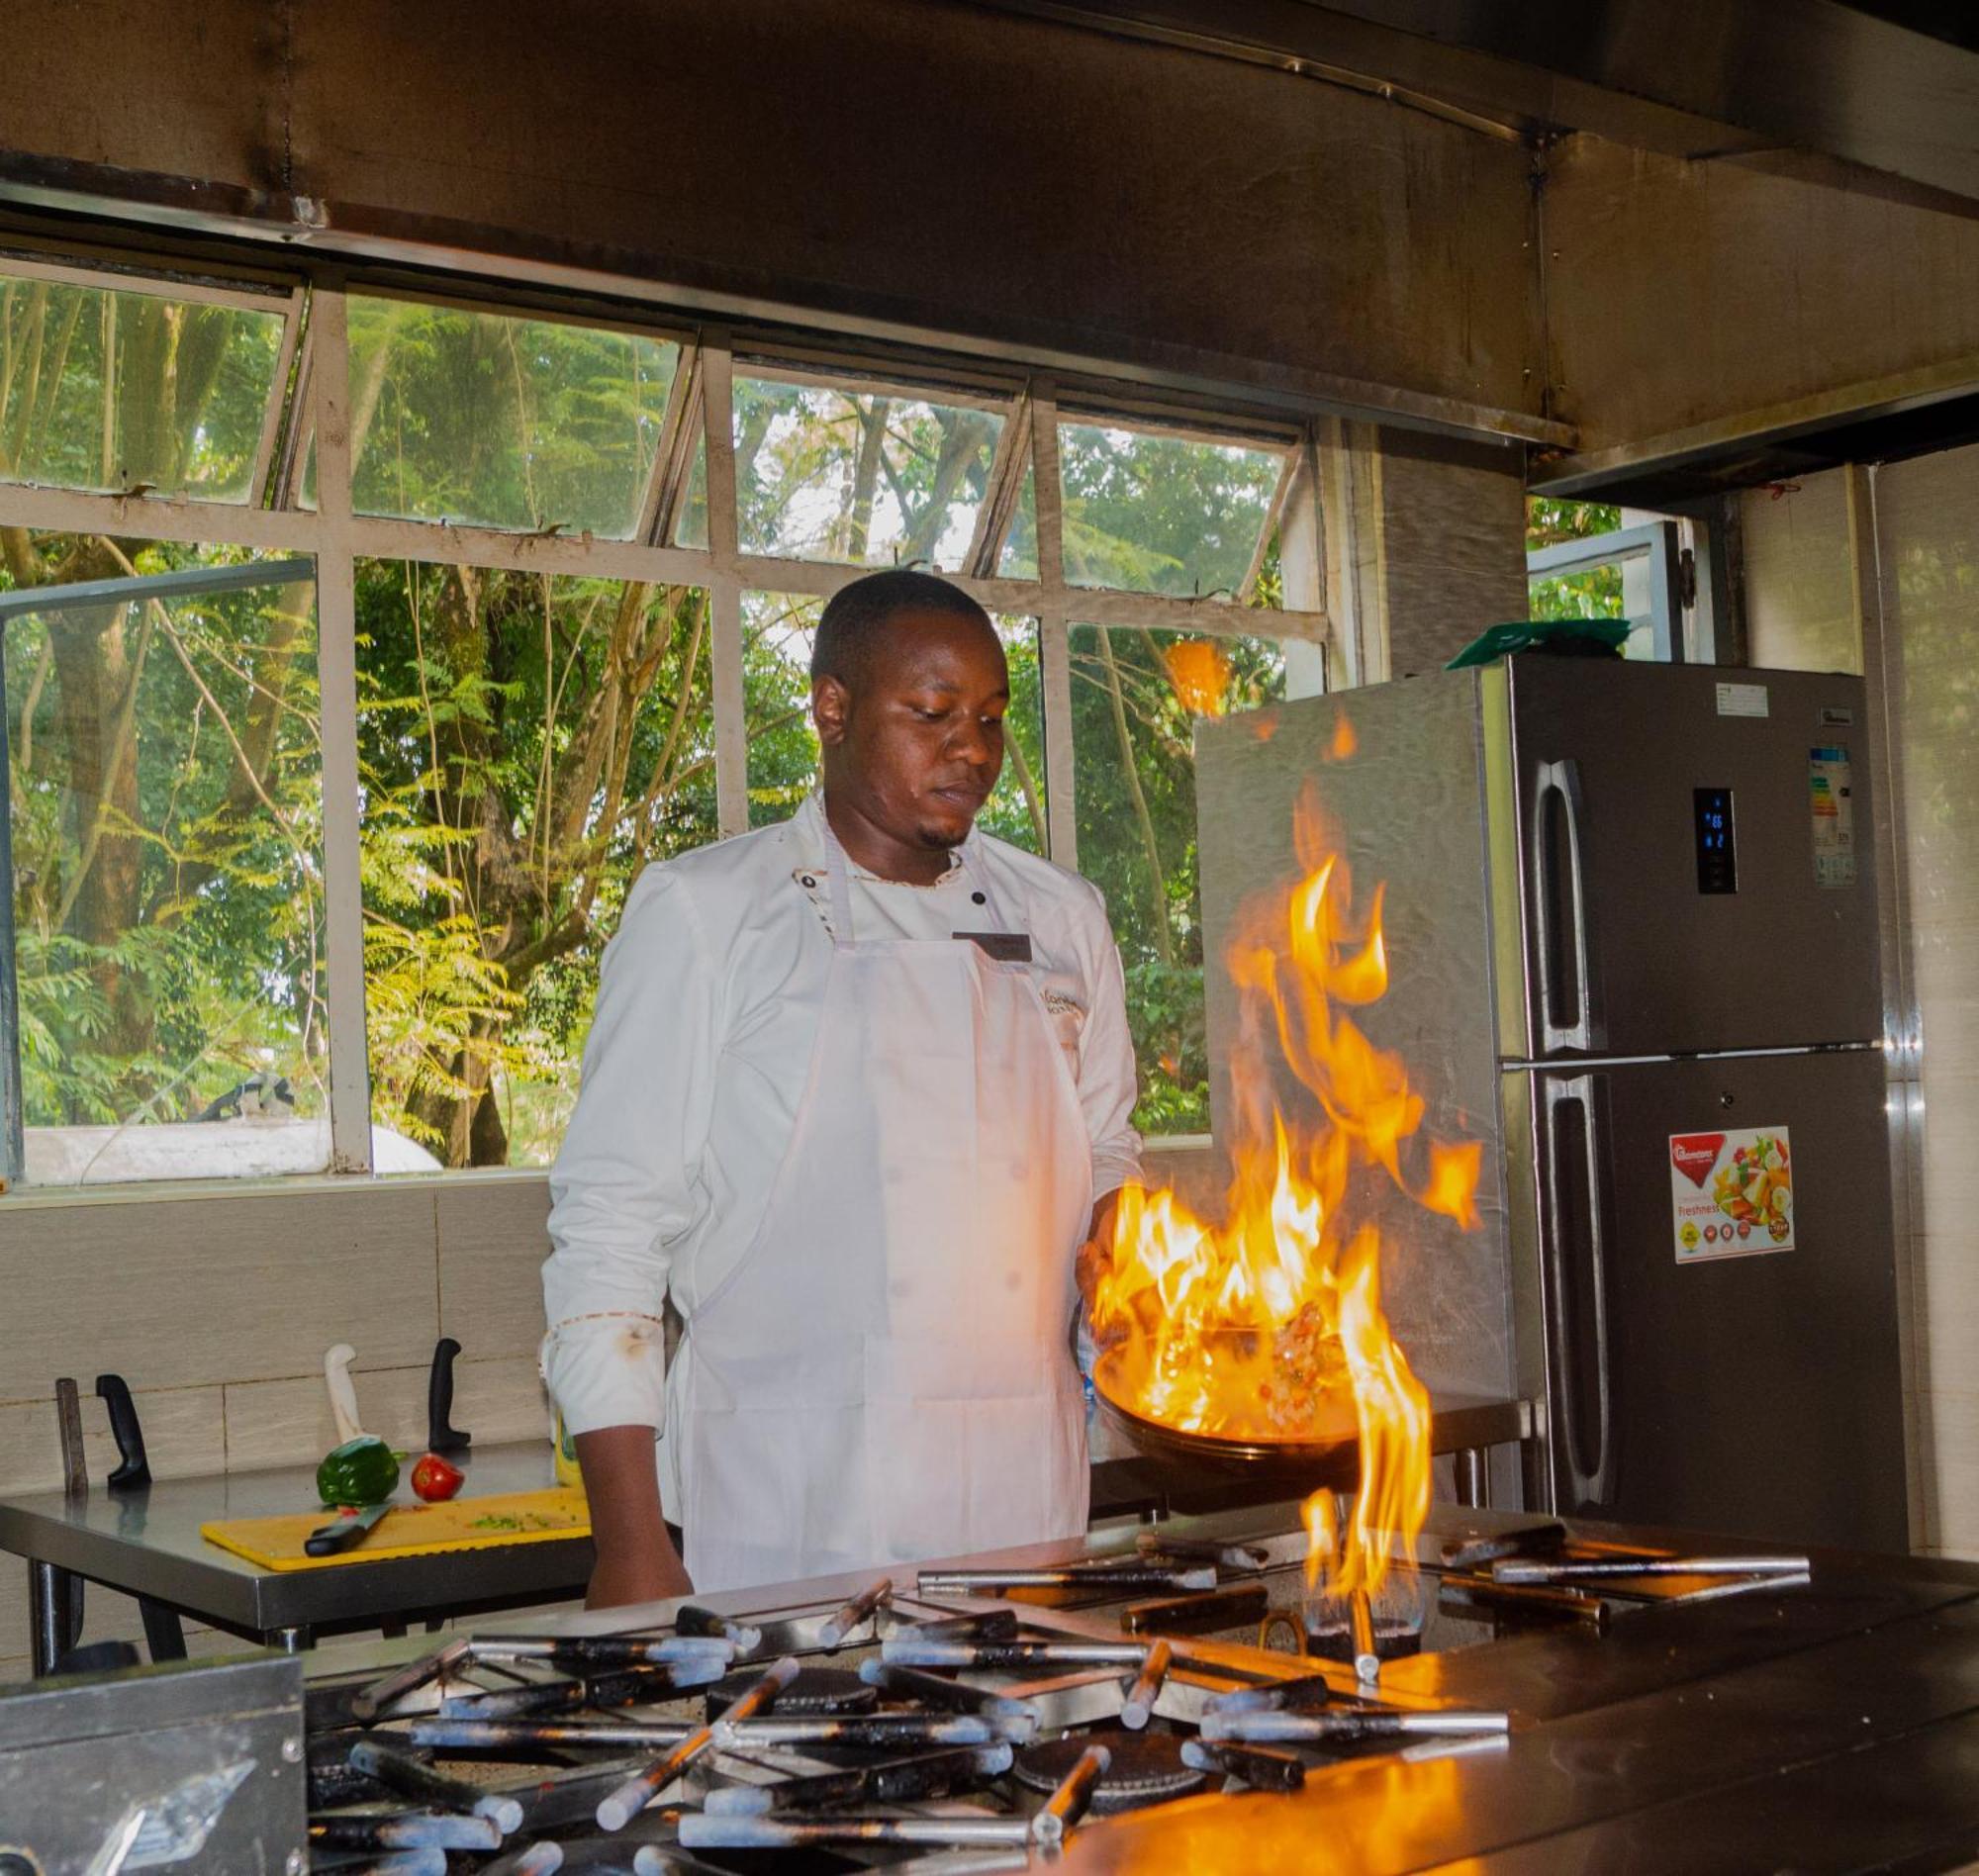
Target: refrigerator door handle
{"x":1562,"y":780}
{"x":1592,"y":1480}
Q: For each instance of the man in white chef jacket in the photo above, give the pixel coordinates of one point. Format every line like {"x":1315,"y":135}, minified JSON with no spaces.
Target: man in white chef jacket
{"x":857,"y":1093}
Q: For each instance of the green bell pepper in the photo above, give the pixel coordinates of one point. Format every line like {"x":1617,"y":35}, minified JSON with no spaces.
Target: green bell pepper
{"x":361,"y":1471}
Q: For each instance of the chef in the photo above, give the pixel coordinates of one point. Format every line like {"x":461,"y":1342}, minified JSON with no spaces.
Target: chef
{"x":857,"y":1093}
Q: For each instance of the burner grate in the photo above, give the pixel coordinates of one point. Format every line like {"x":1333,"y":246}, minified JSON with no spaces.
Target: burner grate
{"x":820,"y":1691}
{"x":1146,"y":1768}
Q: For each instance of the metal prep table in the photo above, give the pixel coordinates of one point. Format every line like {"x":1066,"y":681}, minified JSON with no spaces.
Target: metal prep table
{"x":146,"y":1543}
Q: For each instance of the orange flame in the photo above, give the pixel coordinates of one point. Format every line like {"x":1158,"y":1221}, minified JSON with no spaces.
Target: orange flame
{"x":1269,"y":1326}
{"x":1199,"y":670}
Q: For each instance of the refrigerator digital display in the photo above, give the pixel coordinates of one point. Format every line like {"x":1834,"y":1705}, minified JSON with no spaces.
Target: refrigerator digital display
{"x":1717,"y":855}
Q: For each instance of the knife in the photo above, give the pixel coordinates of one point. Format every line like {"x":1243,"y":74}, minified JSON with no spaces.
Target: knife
{"x":341,"y":1534}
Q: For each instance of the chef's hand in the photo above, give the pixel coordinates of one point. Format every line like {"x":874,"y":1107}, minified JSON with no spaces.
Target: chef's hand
{"x":1092,"y":1260}
{"x":636,"y":1559}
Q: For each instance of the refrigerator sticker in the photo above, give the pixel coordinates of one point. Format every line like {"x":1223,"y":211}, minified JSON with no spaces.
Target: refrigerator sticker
{"x":1829,"y":792}
{"x":1743,"y":700}
{"x":1731,"y":1193}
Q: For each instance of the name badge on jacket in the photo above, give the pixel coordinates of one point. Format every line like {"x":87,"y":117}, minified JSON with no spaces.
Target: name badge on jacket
{"x":1007,"y":947}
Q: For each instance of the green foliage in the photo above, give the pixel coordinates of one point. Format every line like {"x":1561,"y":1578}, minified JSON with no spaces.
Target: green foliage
{"x":1136,"y":697}
{"x":166,"y":818}
{"x":507,"y":423}
{"x":1594,"y":593}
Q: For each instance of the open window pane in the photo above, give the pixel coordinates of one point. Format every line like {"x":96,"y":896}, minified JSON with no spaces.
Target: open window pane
{"x":166,"y":802}
{"x":526,"y":745}
{"x":494,"y":422}
{"x":778,"y":631}
{"x":1151,"y":512}
{"x":111,"y":389}
{"x":1019,"y":558}
{"x":866,"y":479}
{"x":691,"y":523}
{"x":1135,"y":699}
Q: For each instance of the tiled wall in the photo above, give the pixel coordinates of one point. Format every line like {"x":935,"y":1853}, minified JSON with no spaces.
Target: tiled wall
{"x":217,"y":1308}
{"x":1878,"y":571}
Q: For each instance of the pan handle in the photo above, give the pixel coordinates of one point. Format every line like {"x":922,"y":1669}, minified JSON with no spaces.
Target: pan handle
{"x":1590,"y":1474}
{"x":1560,"y":780}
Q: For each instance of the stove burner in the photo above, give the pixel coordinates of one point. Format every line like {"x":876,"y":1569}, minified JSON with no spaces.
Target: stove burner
{"x":1147,"y":1768}
{"x":816,"y":1690}
{"x":1393,"y":1640}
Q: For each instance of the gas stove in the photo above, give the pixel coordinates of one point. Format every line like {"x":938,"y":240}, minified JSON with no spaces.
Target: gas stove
{"x":979,"y":1716}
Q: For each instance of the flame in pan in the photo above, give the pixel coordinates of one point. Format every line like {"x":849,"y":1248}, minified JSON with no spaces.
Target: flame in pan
{"x":1269,"y":1324}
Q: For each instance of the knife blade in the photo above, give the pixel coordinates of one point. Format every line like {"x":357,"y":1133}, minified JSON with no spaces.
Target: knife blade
{"x":341,"y":1534}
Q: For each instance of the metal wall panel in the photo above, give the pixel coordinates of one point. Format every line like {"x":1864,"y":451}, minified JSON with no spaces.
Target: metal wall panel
{"x":919,"y":163}
{"x":1690,"y":304}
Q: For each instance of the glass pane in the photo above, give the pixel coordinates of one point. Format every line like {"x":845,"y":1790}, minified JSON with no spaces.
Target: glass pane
{"x":778,"y":631}
{"x":1601,"y":592}
{"x":691,"y":523}
{"x":503,"y":422}
{"x":165,"y":778}
{"x":1154,"y":514}
{"x":1016,"y":810}
{"x":111,"y":389}
{"x":526,"y":745}
{"x":858,"y":478}
{"x":1135,"y":699}
{"x":1019,"y":558}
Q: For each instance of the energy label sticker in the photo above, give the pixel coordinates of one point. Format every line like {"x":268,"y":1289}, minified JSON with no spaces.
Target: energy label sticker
{"x":1830,"y":800}
{"x":1731,"y":1193}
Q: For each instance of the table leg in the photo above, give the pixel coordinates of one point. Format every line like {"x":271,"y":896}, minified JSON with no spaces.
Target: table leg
{"x":47,"y":1617}
{"x":54,"y":1600}
{"x":1474,"y":1477}
{"x":292,"y":1639}
{"x":164,"y":1633}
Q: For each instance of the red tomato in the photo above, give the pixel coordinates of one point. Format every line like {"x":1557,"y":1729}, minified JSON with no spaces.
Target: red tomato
{"x":434,"y":1478}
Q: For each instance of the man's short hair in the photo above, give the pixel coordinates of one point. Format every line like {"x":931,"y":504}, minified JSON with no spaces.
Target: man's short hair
{"x":855,"y":615}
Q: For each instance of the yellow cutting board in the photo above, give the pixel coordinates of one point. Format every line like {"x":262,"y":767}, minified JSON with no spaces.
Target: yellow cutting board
{"x":412,"y":1529}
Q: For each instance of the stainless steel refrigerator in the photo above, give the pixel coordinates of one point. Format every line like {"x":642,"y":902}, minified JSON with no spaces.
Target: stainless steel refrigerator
{"x":1630,"y":919}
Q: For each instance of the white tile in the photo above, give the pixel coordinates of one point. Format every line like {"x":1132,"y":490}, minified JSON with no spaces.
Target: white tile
{"x":185,"y":1291}
{"x":493,"y":1240}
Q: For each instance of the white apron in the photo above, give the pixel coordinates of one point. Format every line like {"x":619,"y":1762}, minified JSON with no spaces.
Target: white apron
{"x":886,"y":1375}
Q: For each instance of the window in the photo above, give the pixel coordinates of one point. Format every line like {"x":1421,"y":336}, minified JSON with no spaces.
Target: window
{"x":862,"y":478}
{"x":1136,"y":695}
{"x":778,"y":631}
{"x":164,"y":808}
{"x":278,"y":787}
{"x":493,"y":422}
{"x":1582,"y":563}
{"x":139,"y":386}
{"x":1153,"y":512}
{"x":526,"y":745}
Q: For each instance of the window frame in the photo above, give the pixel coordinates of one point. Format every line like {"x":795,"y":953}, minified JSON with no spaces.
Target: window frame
{"x":311,"y":399}
{"x":1655,"y":542}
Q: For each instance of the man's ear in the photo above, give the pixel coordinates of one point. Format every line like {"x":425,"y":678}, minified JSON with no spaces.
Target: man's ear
{"x":831,"y":707}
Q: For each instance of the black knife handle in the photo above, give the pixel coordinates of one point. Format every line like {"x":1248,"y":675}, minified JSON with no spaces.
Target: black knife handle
{"x":441,"y":1436}
{"x":327,"y":1540}
{"x":134,"y":1470}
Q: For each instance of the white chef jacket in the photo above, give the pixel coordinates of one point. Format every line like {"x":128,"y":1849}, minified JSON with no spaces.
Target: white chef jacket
{"x":699,"y":1053}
